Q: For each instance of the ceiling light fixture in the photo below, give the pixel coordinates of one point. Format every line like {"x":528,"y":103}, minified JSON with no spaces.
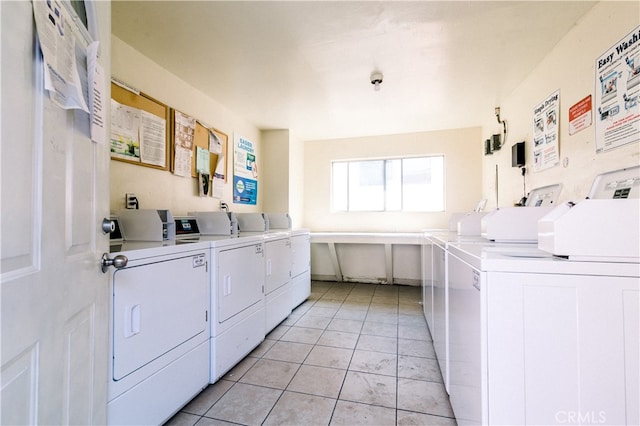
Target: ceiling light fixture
{"x":376,"y":80}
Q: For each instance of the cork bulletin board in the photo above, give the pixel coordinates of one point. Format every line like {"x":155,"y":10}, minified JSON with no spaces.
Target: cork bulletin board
{"x":201,"y":139}
{"x":137,"y":104}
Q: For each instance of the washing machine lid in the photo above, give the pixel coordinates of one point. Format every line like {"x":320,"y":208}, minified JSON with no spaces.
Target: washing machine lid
{"x":514,"y":224}
{"x":604,"y":227}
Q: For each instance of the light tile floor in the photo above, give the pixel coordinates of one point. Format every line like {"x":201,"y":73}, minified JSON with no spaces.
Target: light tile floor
{"x":352,"y":354}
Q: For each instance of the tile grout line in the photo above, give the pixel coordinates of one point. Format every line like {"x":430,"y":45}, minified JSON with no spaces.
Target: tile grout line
{"x":279,"y":339}
{"x":397,"y":361}
{"x":348,"y":365}
{"x":342,"y":303}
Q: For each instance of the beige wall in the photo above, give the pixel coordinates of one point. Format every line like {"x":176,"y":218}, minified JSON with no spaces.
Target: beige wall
{"x":462,"y":152}
{"x":570,"y":68}
{"x":301,"y":185}
{"x":296,"y":180}
{"x":161,"y":189}
{"x":283,"y":190}
{"x":275,"y":156}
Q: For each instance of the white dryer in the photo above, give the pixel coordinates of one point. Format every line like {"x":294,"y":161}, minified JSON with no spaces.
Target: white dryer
{"x":277,"y":283}
{"x":300,"y":266}
{"x":237,"y":299}
{"x":159,"y":330}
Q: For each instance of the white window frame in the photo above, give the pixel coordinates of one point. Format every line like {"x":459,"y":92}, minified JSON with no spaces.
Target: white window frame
{"x":340,"y":185}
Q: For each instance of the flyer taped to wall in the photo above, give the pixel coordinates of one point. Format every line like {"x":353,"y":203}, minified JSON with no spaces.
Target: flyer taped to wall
{"x":546,"y":152}
{"x":245,"y":172}
{"x":617,"y":94}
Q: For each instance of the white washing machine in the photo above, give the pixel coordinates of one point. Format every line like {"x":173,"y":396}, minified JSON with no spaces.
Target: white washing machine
{"x":507,"y":226}
{"x":435,"y":293}
{"x":437,"y":318}
{"x":536,"y":339}
{"x":159,"y":330}
{"x":552,"y":336}
{"x":436,"y":303}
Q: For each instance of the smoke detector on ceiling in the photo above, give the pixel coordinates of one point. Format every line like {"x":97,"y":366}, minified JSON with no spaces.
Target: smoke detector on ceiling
{"x":376,"y":80}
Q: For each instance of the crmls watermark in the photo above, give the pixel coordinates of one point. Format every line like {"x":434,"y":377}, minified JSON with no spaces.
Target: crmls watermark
{"x":581,"y":418}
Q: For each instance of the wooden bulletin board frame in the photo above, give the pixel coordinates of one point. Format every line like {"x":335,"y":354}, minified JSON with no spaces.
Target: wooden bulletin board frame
{"x":147,"y":103}
{"x":201,"y":139}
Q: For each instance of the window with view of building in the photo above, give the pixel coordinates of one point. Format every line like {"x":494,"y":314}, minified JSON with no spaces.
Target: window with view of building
{"x":400,"y":184}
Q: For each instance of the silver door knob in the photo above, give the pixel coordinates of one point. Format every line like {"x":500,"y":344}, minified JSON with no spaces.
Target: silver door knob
{"x":118,"y":262}
{"x":108,"y":226}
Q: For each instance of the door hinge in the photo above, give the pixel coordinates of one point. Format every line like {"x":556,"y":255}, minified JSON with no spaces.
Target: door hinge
{"x":206,"y":316}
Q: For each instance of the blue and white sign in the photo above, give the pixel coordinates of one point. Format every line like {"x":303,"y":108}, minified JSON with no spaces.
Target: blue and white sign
{"x":245,"y":172}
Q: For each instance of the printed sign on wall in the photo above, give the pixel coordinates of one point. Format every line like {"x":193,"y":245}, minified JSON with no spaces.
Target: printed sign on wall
{"x":546,"y":152}
{"x":245,"y":172}
{"x":580,"y":115}
{"x":618,"y":94}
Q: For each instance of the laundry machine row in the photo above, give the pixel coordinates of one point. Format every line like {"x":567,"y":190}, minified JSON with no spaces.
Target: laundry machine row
{"x":187,"y":307}
{"x":256,"y":282}
{"x":538,"y":339}
{"x":258,"y":277}
{"x":505,"y":226}
{"x":542,"y":333}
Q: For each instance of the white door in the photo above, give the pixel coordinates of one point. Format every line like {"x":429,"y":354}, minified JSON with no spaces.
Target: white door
{"x":54,"y":194}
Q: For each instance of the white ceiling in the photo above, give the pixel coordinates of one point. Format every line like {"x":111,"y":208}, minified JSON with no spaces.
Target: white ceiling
{"x":306,"y":66}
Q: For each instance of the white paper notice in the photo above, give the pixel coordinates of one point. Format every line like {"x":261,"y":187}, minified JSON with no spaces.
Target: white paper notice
{"x":217,"y":190}
{"x":96,"y":95}
{"x":203,"y":160}
{"x":185,"y":129}
{"x":56,"y":33}
{"x":546,"y":151}
{"x":125,"y":127}
{"x":215,"y":144}
{"x":182,"y":165}
{"x":216,"y":147}
{"x":153,"y":137}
